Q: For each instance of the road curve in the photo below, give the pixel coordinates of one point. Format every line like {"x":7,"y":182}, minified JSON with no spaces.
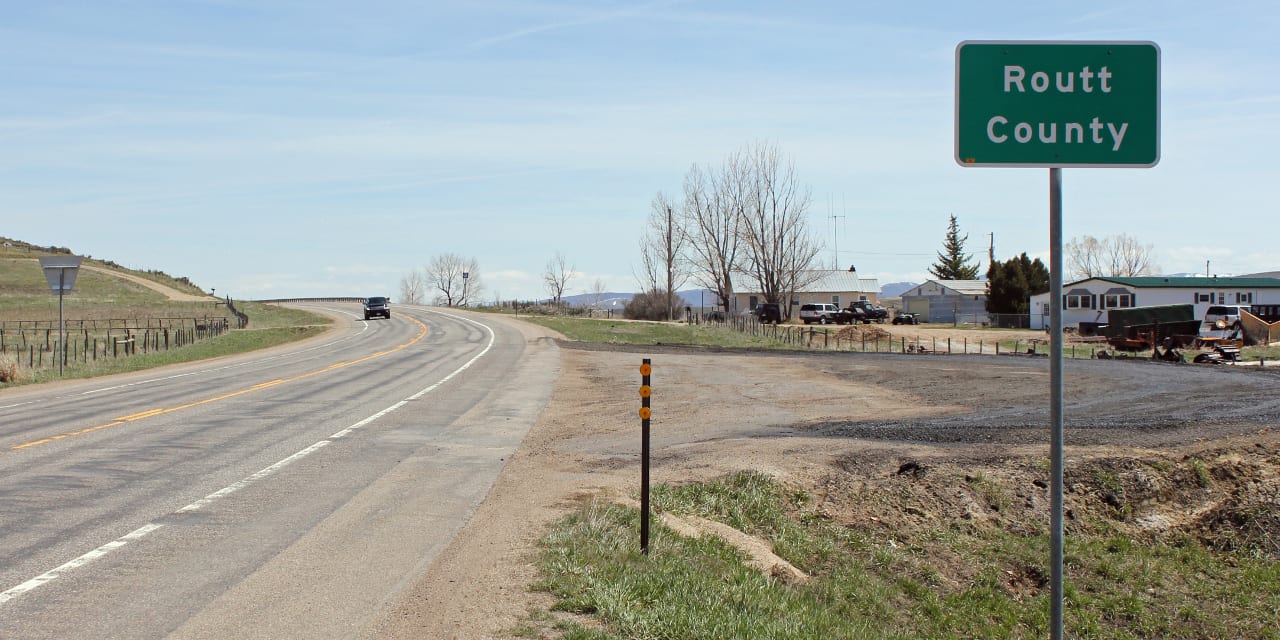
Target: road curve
{"x":289,"y":494}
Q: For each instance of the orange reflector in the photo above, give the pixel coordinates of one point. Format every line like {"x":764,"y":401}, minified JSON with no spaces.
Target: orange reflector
{"x":645,"y":391}
{"x":645,"y":413}
{"x":646,"y":369}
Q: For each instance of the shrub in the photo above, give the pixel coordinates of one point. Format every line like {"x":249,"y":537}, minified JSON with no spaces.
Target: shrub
{"x":8,"y":369}
{"x":651,"y":305}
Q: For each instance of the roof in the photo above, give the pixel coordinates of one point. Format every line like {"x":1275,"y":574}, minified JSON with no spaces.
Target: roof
{"x":965,"y":287}
{"x":1197,"y":282}
{"x":961,"y":287}
{"x":841,"y":280}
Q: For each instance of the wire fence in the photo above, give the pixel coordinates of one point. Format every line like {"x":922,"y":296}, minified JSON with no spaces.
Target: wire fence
{"x":37,"y":344}
{"x":870,"y":338}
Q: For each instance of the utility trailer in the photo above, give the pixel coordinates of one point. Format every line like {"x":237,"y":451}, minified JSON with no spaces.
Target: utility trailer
{"x":1143,"y":328}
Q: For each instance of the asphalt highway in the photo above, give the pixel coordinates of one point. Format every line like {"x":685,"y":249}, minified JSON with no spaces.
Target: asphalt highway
{"x":294,"y":493}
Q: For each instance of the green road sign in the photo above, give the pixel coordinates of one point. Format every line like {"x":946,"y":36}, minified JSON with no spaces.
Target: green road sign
{"x":1057,"y":104}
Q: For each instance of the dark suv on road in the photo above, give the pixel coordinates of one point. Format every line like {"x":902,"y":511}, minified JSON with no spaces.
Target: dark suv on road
{"x":377,"y":306}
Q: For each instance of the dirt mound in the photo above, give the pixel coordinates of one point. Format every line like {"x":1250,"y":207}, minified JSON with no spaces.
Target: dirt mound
{"x":1228,"y":498}
{"x":863,"y":332}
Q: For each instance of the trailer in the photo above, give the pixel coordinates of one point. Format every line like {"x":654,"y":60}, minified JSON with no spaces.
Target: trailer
{"x":1145,"y":328}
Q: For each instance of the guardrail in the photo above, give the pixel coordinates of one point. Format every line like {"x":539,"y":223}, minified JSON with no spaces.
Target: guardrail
{"x":331,"y":299}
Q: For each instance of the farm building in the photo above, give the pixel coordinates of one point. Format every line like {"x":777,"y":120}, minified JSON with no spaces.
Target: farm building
{"x":1089,"y":300}
{"x":948,"y":301}
{"x":836,"y":287}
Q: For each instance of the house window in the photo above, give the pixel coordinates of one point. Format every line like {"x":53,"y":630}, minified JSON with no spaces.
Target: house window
{"x":1117,"y":300}
{"x":1202,"y":297}
{"x":1222,"y":297}
{"x":1078,"y":301}
{"x":1244,"y":298}
{"x":835,"y":300}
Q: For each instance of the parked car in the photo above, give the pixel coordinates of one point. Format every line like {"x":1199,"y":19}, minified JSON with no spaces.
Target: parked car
{"x":819,"y":313}
{"x":768,"y":312}
{"x":906,"y":318}
{"x":1221,"y":316}
{"x":869,"y":312}
{"x":377,"y":306}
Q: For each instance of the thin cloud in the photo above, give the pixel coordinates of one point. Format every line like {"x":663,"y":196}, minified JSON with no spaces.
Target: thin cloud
{"x":596,"y":18}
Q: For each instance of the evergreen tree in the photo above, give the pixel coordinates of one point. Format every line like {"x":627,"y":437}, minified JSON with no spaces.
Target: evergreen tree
{"x":1010,"y":284}
{"x":952,"y":263}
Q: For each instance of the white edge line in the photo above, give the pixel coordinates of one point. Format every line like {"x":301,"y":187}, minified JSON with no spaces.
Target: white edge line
{"x":142,"y":531}
{"x":53,"y":574}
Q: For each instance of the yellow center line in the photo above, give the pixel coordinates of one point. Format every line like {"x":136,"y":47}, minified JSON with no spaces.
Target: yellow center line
{"x":257,"y":387}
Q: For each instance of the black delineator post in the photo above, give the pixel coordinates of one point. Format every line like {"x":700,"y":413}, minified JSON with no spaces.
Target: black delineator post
{"x":645,"y":392}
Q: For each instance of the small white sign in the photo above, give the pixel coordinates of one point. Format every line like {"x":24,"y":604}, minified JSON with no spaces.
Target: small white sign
{"x":60,"y":271}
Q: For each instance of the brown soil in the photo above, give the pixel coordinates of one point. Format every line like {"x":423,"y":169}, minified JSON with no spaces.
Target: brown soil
{"x":882,"y":442}
{"x":166,"y":291}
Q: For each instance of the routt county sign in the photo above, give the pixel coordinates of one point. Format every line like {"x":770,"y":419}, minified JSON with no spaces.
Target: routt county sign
{"x":1057,"y":104}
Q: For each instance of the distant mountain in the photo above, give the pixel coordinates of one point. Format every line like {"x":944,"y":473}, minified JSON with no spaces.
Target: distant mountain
{"x":616,"y":300}
{"x":895,"y":289}
{"x":608,"y":300}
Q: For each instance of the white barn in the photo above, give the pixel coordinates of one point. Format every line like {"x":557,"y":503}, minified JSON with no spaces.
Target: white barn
{"x":836,"y":287}
{"x":1089,"y":300}
{"x":948,"y":301}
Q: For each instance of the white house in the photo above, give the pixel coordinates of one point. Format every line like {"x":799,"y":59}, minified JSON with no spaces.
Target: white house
{"x":1088,"y":300}
{"x":948,"y":301}
{"x":836,"y":287}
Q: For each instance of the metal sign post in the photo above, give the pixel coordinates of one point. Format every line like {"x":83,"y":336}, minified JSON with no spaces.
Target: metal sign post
{"x":60,"y":272}
{"x":1054,"y":105}
{"x":1056,"y":441}
{"x":645,"y":391}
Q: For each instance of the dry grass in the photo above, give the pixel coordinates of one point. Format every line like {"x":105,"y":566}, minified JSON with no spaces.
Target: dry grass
{"x":8,"y":369}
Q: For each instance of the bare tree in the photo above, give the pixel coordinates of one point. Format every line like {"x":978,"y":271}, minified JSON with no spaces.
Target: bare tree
{"x":662,"y":250}
{"x":557,"y":277}
{"x":445,"y":275}
{"x":1117,"y":256}
{"x":780,"y":250}
{"x":1083,"y":257}
{"x":597,"y":292}
{"x":713,"y":210}
{"x":411,"y":286}
{"x":1128,"y":257}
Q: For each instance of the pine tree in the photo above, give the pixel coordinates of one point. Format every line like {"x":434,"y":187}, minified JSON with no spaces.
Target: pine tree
{"x":952,"y":263}
{"x":1010,"y":284}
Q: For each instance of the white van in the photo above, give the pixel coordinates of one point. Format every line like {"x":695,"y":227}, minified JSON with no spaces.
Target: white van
{"x":1221,"y":317}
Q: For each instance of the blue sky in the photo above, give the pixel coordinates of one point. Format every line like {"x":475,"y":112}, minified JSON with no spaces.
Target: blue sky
{"x":295,"y":148}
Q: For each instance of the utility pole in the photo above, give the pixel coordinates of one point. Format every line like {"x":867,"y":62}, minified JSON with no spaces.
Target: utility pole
{"x":835,"y":236}
{"x":991,"y":250}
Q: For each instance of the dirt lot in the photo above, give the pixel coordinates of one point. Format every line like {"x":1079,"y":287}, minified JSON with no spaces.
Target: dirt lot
{"x":853,"y":429}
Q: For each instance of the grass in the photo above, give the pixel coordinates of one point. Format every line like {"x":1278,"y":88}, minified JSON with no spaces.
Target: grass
{"x":650,"y":333}
{"x":231,"y":343}
{"x":653,"y":333}
{"x":25,"y":302}
{"x":947,"y":582}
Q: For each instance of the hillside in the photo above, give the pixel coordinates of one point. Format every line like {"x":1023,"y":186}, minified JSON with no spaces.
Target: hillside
{"x":102,"y":286}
